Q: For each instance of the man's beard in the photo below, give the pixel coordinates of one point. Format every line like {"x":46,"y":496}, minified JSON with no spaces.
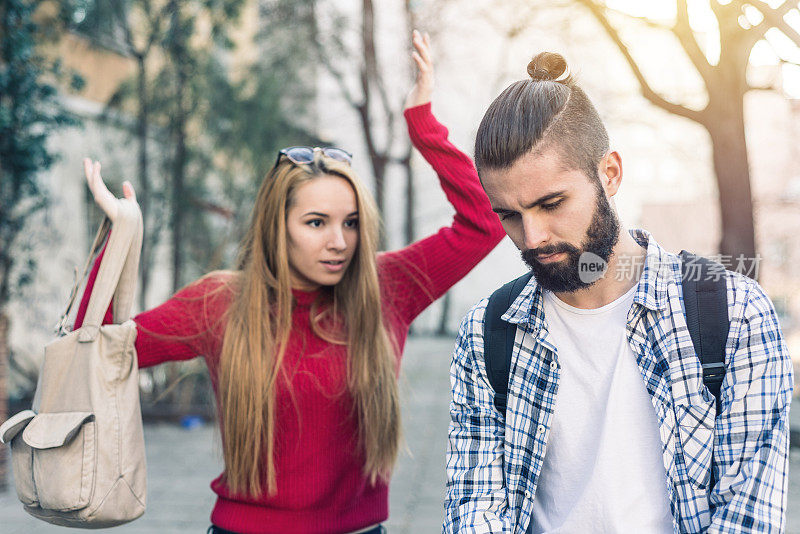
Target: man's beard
{"x":563,"y":276}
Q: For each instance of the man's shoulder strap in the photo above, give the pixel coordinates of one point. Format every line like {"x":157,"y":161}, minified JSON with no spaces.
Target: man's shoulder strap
{"x":498,"y":338}
{"x":705,"y":300}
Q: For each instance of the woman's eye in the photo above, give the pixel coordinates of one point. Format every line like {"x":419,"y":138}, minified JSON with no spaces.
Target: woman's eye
{"x":352,"y":223}
{"x":551,"y":206}
{"x":314,"y":223}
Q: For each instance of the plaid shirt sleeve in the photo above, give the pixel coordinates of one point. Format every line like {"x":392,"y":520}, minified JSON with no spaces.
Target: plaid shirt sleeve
{"x":476,"y":499}
{"x":751,"y":446}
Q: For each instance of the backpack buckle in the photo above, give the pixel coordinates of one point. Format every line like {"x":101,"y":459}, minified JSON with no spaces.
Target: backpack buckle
{"x":713,"y":371}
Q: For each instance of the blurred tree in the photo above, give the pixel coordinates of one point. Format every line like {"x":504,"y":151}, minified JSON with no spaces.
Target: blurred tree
{"x":184,"y":102}
{"x":371,"y":101}
{"x":254,"y":112}
{"x":423,"y":18}
{"x":368,"y":97}
{"x":741,"y":24}
{"x":135,"y":28}
{"x":29,"y":112}
{"x":409,"y":230}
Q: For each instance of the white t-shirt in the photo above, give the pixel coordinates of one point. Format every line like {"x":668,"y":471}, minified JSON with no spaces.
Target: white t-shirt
{"x":603,"y":469}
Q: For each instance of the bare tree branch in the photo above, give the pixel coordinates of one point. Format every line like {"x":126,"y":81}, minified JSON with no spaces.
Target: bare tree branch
{"x":683,"y":31}
{"x":773,"y":18}
{"x":598,"y":12}
{"x":371,"y":67}
{"x":336,"y":74}
{"x":212,"y":207}
{"x":644,"y":20}
{"x":722,"y":12}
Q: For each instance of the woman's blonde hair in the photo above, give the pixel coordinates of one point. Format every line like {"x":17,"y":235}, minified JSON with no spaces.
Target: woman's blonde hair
{"x":259,"y":322}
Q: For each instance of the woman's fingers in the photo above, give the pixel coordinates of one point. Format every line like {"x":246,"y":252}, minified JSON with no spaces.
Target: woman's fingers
{"x":423,"y":88}
{"x":423,"y":47}
{"x":127,"y":190}
{"x":418,"y":60}
{"x":102,"y":196}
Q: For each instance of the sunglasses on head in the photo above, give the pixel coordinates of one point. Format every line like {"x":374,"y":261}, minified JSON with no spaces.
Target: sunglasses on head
{"x":303,"y":155}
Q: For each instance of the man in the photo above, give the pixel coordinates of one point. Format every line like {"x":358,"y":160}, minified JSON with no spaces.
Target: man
{"x":608,"y":425}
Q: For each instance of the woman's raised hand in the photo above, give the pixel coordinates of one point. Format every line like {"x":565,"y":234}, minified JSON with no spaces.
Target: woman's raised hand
{"x":423,"y":88}
{"x":102,"y":196}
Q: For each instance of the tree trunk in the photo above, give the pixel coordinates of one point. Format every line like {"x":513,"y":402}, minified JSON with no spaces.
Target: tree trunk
{"x":377,"y":159}
{"x":144,"y":180}
{"x":4,"y":354}
{"x":732,"y":170}
{"x":410,"y":229}
{"x":444,"y":318}
{"x":371,"y":81}
{"x":178,"y":179}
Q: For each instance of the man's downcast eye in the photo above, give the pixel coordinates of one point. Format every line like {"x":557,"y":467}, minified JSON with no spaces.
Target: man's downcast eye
{"x":508,"y":215}
{"x":551,"y":206}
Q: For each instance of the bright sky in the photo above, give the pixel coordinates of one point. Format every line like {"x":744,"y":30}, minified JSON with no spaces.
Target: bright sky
{"x":704,"y":23}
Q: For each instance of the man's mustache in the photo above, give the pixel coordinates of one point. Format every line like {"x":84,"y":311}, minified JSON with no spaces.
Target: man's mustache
{"x":530,"y":255}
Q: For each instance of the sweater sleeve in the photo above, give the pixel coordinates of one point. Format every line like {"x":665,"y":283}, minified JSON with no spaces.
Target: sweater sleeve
{"x":414,"y":276}
{"x":187,"y":325}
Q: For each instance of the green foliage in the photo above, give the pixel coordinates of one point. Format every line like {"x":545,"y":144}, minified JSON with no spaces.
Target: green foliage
{"x":29,"y":112}
{"x":233,"y":123}
{"x":237,"y":125}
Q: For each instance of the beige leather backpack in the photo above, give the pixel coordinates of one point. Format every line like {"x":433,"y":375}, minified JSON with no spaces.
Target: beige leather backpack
{"x":78,"y":455}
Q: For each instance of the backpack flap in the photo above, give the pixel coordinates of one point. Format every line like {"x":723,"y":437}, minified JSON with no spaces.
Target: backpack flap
{"x":15,"y":425}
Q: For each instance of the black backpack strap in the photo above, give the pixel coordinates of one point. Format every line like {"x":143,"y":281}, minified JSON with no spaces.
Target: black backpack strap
{"x":705,"y":298}
{"x":498,"y":338}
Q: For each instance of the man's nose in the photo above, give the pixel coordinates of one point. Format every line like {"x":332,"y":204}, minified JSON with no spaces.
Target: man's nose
{"x":534,"y":233}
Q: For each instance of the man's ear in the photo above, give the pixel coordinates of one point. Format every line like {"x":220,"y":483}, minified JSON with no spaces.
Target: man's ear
{"x":610,"y":172}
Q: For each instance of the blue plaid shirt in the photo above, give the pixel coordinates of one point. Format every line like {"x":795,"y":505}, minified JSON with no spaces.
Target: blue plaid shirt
{"x":493,"y":464}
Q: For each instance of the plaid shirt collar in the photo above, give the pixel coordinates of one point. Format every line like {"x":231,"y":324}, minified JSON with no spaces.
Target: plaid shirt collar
{"x":651,"y":291}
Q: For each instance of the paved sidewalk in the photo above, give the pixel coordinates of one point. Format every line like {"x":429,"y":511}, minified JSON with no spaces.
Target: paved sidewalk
{"x":182,"y":463}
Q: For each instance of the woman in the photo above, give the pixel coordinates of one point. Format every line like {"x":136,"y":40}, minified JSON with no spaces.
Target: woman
{"x":303,"y":340}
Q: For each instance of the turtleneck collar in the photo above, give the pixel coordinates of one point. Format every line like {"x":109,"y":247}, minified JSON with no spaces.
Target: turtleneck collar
{"x":305,"y":298}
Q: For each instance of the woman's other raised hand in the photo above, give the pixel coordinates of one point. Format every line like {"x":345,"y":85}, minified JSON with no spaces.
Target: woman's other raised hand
{"x":102,"y":196}
{"x":423,"y":87}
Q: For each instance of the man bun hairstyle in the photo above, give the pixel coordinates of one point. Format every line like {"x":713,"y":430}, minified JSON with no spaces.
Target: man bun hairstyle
{"x":547,"y":67}
{"x":549,"y":109}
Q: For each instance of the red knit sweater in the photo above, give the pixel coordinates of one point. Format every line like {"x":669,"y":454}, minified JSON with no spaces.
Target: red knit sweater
{"x":321,"y":486}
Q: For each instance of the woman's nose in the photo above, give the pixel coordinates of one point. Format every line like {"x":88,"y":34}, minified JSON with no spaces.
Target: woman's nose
{"x":336,"y":240}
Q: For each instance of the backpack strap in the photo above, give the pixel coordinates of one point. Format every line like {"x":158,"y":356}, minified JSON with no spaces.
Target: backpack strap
{"x":705,"y":299}
{"x":498,"y":338}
